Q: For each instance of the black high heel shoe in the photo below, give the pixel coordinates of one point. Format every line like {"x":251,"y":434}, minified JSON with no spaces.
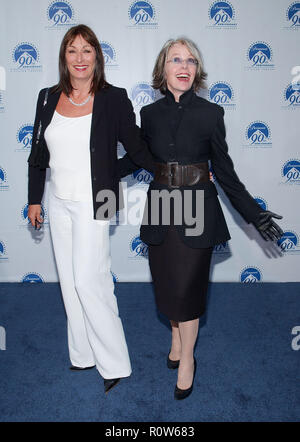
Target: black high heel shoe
{"x":172,"y":364}
{"x":110,"y":383}
{"x":182,"y":394}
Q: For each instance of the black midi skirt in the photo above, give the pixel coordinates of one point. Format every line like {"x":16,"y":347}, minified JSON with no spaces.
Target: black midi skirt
{"x":180,"y":277}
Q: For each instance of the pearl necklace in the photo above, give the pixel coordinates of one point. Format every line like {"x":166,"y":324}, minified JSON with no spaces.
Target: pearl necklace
{"x":80,"y":104}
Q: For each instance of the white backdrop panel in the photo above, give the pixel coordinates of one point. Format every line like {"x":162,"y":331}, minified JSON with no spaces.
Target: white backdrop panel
{"x":249,"y":49}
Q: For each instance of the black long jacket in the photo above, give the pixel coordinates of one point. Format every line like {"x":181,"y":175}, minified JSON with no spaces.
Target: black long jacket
{"x":192,"y":131}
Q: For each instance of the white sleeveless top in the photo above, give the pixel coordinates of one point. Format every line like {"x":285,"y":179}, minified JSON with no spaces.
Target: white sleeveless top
{"x":68,"y":141}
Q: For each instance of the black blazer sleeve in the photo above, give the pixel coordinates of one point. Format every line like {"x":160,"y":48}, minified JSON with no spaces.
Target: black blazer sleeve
{"x":223,"y":167}
{"x":126,"y":166}
{"x":130,"y":135}
{"x":36,"y":175}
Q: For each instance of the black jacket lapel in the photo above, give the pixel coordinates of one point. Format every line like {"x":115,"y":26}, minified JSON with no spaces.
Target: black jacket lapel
{"x":98,"y":112}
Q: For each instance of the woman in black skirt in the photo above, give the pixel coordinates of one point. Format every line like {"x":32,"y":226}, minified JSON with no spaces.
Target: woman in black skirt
{"x":184,"y":132}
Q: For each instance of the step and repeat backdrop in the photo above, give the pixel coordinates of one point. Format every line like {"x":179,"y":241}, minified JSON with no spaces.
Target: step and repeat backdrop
{"x":251,"y":54}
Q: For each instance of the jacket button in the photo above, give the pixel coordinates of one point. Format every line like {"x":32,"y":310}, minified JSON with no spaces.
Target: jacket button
{"x":93,"y":149}
{"x":171,"y":144}
{"x":179,"y":107}
{"x":94,"y":178}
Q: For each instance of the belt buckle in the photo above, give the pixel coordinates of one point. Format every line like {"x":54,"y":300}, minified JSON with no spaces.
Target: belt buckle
{"x":170,"y":174}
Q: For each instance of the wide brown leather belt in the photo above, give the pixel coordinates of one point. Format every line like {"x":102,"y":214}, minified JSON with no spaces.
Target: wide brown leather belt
{"x":175,"y":175}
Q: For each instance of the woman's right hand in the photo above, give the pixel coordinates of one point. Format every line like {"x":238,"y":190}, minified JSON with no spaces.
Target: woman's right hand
{"x":34,"y":214}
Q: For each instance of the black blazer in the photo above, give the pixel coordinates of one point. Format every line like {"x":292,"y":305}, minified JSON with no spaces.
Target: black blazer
{"x":193,"y":131}
{"x":113,"y":120}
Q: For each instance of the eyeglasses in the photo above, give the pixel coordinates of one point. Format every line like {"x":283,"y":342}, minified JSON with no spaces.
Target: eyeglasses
{"x":177,"y":60}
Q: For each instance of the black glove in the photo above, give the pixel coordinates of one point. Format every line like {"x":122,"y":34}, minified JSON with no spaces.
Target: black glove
{"x":268,"y":229}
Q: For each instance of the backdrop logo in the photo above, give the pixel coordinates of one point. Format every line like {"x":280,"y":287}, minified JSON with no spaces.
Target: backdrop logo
{"x":289,"y":242}
{"x":263,"y":203}
{"x":24,"y":137}
{"x":3,"y":254}
{"x":259,"y":55}
{"x":221,"y":249}
{"x":292,"y":95}
{"x":109,"y":54}
{"x":221,"y":14}
{"x":24,"y":215}
{"x":60,"y":14}
{"x":258,"y":134}
{"x":293,"y":15}
{"x":142,"y":14}
{"x":32,"y":277}
{"x":291,"y":172}
{"x":250,"y":274}
{"x":3,"y":180}
{"x":222,"y":94}
{"x":142,"y":94}
{"x":142,"y":176}
{"x":138,"y":248}
{"x":26,"y":58}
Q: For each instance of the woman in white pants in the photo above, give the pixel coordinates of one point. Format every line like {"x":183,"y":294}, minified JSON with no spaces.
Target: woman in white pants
{"x":77,"y":127}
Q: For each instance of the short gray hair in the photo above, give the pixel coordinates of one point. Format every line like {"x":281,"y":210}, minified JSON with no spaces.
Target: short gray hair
{"x":158,"y":74}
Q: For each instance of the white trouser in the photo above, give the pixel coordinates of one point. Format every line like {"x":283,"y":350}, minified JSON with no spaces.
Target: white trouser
{"x":82,"y":253}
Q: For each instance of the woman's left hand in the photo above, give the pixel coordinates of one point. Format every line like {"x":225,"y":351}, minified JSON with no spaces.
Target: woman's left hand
{"x":268,"y":229}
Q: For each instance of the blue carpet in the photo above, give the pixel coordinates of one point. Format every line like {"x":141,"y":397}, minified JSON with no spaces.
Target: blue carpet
{"x":247,"y":369}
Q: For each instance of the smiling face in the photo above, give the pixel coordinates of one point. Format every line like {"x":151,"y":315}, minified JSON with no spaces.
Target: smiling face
{"x":179,"y":76}
{"x":80,"y":59}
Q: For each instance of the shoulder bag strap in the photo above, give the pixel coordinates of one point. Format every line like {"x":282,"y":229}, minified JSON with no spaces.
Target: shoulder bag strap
{"x":40,"y":124}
